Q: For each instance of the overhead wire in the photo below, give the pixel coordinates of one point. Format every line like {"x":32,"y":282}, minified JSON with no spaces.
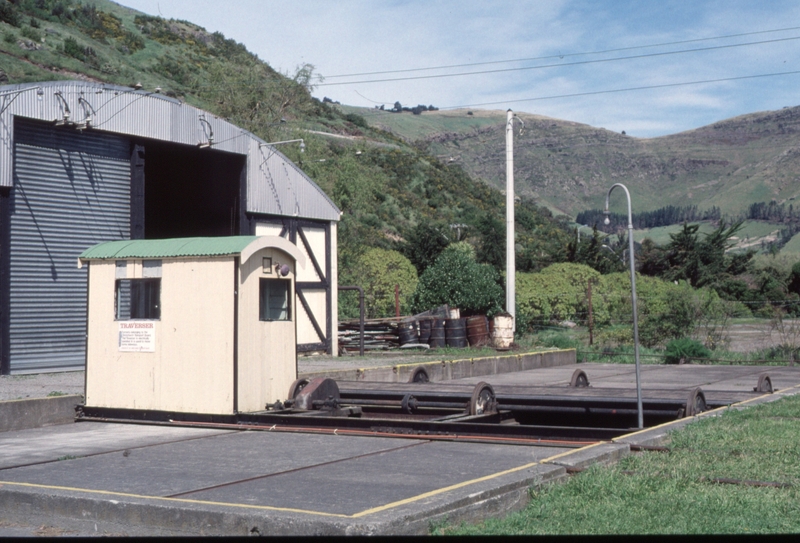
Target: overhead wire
{"x":377,"y":112}
{"x":560,"y":65}
{"x":565,"y":55}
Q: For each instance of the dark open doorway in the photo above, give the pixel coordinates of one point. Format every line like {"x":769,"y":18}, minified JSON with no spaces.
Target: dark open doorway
{"x":191,"y":192}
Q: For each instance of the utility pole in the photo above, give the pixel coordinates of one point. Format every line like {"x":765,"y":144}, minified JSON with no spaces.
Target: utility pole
{"x":591,"y":323}
{"x":511,"y":266}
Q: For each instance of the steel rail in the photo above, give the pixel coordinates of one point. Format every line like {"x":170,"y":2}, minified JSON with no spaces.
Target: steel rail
{"x":443,"y":429}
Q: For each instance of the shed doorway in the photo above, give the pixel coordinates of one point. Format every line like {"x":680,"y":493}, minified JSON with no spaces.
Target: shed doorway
{"x":191,"y":192}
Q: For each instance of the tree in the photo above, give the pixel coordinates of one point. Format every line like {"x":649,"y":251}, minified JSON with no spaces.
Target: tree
{"x":492,"y":249}
{"x":592,"y":253}
{"x":456,"y":279}
{"x":377,"y":271}
{"x":794,"y":279}
{"x":652,"y":259}
{"x":424,"y":244}
{"x":703,"y":262}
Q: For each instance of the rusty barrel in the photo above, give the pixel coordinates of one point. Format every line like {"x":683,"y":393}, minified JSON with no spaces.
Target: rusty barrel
{"x":407,"y":331}
{"x":455,"y":332}
{"x":424,"y":330}
{"x":478,"y":331}
{"x":436,"y":338}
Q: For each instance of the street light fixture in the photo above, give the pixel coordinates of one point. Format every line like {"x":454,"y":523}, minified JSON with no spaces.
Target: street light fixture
{"x":620,"y":258}
{"x":631,"y":258}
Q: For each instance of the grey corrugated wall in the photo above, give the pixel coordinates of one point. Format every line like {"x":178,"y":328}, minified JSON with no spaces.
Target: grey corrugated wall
{"x":71,"y":191}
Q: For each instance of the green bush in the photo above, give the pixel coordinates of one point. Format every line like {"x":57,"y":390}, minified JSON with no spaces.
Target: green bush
{"x":73,"y":48}
{"x":377,"y":271}
{"x":684,"y":348}
{"x":357,"y":120}
{"x":32,"y":34}
{"x":455,"y":278}
{"x":556,"y":293}
{"x":8,"y":13}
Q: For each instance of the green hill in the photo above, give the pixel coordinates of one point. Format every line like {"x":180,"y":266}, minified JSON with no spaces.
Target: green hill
{"x":385,"y":186}
{"x":569,"y":166}
{"x":389,"y":171}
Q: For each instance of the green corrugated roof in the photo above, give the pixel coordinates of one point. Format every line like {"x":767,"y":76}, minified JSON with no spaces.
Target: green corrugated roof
{"x":168,"y":248}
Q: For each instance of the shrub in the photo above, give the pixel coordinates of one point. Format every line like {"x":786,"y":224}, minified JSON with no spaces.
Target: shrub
{"x":684,"y":348}
{"x":456,"y":278}
{"x":377,"y":271}
{"x":557,"y":293}
{"x":32,"y":34}
{"x":73,"y":49}
{"x":8,"y":13}
{"x":357,"y":120}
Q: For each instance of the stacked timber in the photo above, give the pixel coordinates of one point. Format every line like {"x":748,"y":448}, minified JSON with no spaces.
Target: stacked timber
{"x":379,"y":335}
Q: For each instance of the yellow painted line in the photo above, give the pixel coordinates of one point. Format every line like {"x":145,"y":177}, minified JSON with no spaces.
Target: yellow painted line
{"x":388,"y":506}
{"x":723,"y":408}
{"x":567,"y":453}
{"x":179,"y":500}
{"x":441,"y":491}
{"x":637,"y":432}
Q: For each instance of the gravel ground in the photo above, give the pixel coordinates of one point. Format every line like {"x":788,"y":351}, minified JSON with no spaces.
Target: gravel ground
{"x":40,"y":385}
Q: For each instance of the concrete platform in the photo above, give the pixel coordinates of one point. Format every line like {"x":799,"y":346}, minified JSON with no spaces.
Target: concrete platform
{"x":155,"y":480}
{"x":92,"y":478}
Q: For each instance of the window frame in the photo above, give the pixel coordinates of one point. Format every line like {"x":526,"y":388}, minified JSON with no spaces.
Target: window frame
{"x":265,"y":311}
{"x":143,"y":309}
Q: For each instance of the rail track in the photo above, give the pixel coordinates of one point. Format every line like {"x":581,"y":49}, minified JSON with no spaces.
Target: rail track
{"x":560,"y":415}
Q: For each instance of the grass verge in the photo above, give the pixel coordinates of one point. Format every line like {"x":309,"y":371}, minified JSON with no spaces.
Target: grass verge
{"x":705,"y":484}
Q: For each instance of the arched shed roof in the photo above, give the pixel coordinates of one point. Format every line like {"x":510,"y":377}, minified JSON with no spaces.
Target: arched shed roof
{"x":275,"y":185}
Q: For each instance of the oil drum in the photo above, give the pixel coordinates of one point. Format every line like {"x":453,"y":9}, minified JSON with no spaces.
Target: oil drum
{"x":424,"y":330}
{"x":437,"y":333}
{"x":407,"y":331}
{"x":477,"y":331}
{"x":455,"y":333}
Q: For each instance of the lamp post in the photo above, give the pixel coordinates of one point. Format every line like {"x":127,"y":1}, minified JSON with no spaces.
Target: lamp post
{"x":511,"y":265}
{"x":631,"y":259}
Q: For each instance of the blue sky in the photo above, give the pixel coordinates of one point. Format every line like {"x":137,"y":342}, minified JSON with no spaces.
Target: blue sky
{"x":361,"y":36}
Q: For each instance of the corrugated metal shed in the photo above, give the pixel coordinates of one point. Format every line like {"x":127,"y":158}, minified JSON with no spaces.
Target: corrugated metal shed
{"x":275,"y":185}
{"x":166,"y":248}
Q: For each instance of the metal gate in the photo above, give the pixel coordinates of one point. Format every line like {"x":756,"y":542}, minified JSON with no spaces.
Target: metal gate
{"x":71,"y":190}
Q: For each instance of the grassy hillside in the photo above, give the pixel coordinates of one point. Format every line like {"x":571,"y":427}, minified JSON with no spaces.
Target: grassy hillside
{"x":570,"y":166}
{"x":385,"y":186}
{"x":751,"y":234}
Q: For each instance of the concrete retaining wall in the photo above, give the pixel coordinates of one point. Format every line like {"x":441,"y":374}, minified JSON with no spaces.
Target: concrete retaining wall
{"x":445,"y":370}
{"x":37,"y":412}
